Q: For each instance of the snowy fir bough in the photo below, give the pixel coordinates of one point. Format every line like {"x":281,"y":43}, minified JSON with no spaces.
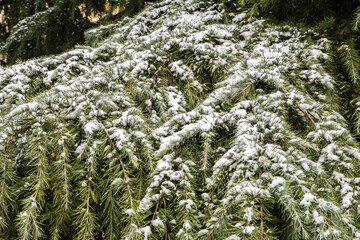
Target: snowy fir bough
{"x":189,"y":121}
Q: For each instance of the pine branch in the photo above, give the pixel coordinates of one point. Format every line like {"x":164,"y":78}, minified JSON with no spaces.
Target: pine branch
{"x":311,"y":120}
{"x":351,"y":61}
{"x":85,"y":219}
{"x":7,"y":179}
{"x":28,"y":221}
{"x":261,"y":212}
{"x":357,"y":19}
{"x":127,"y":180}
{"x":245,"y":91}
{"x":307,"y":114}
{"x":297,"y":227}
{"x":111,"y":212}
{"x":206,"y":152}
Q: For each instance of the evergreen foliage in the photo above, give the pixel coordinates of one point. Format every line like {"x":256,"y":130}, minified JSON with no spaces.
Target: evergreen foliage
{"x":308,"y":11}
{"x":339,"y":22}
{"x":34,"y":28}
{"x":190,"y":121}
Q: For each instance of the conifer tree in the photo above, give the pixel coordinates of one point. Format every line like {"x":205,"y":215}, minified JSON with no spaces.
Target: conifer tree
{"x":191,"y":120}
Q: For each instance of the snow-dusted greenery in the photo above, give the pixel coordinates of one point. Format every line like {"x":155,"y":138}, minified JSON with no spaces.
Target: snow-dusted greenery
{"x":33,"y":28}
{"x":190,"y":121}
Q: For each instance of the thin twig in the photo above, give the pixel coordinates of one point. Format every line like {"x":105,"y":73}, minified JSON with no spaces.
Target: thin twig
{"x":153,"y":217}
{"x":308,"y":115}
{"x":309,"y":94}
{"x":311,"y":120}
{"x":245,"y":88}
{"x":352,"y":87}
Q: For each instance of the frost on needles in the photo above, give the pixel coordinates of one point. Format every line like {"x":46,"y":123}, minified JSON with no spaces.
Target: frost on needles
{"x":189,"y":121}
